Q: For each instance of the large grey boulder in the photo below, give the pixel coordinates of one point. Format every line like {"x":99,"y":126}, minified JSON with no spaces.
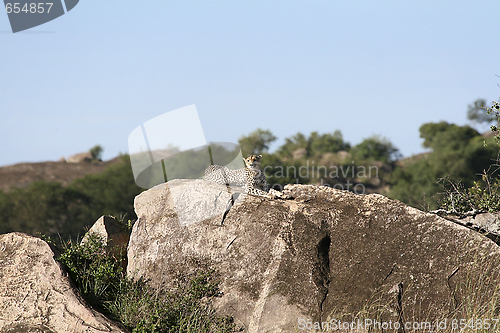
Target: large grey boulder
{"x":35,"y":294}
{"x":326,"y":255}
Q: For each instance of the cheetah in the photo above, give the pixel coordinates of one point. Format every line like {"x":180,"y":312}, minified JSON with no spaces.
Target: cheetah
{"x":251,"y":178}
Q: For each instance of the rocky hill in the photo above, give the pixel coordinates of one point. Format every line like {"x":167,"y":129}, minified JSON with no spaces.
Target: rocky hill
{"x":23,"y":174}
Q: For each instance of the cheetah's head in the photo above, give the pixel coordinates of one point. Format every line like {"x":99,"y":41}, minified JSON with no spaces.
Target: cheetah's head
{"x":253,"y":161}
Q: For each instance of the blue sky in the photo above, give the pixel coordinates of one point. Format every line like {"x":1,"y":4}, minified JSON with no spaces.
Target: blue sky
{"x":362,"y":67}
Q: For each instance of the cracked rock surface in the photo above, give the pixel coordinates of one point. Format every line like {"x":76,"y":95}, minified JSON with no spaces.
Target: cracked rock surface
{"x":323,"y":255}
{"x":35,"y":294}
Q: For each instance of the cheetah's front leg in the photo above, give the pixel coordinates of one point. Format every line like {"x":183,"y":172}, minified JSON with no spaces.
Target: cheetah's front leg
{"x":258,"y":192}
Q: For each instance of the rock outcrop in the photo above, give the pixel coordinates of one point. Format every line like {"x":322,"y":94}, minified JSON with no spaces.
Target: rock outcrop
{"x":327,"y":254}
{"x":35,"y":294}
{"x":488,"y":223}
{"x":299,"y":153}
{"x":112,"y":234}
{"x":23,"y":174}
{"x":81,"y":157}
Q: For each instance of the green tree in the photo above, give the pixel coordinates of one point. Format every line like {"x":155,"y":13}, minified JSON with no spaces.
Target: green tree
{"x":315,"y":145}
{"x":96,"y":152}
{"x":478,"y":113}
{"x":327,"y":143}
{"x":43,"y":207}
{"x":458,"y":152}
{"x":429,"y":132}
{"x":376,"y":148}
{"x":293,"y":143}
{"x":256,"y":142}
{"x":281,"y":172}
{"x":484,"y":195}
{"x":415,"y":184}
{"x":495,"y":110}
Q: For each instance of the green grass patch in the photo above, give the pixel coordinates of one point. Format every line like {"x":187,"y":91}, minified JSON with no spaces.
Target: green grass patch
{"x":102,"y":281}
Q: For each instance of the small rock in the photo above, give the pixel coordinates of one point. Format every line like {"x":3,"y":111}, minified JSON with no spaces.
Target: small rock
{"x":489,"y":222}
{"x":342,"y":156}
{"x":112,"y":234}
{"x":299,"y":153}
{"x":81,"y":157}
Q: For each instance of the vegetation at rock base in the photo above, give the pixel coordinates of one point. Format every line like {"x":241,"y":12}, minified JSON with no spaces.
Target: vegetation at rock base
{"x":483,"y":196}
{"x":101,"y":279}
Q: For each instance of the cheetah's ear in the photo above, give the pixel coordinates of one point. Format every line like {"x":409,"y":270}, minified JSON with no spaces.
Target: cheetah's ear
{"x":260,"y":156}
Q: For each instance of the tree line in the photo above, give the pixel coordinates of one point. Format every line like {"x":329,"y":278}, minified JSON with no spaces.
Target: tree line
{"x":52,"y":209}
{"x":460,"y":162}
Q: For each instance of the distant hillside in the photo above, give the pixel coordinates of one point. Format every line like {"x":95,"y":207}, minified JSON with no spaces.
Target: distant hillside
{"x":23,"y":174}
{"x":412,"y":159}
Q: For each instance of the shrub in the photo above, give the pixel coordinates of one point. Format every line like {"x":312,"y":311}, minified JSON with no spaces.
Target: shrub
{"x":458,"y":153}
{"x":376,"y":148}
{"x":97,"y":275}
{"x":483,"y":196}
{"x":96,"y":152}
{"x":103,"y":283}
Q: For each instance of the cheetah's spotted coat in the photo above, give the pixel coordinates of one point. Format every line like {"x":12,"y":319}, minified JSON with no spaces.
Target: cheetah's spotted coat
{"x":251,"y":178}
